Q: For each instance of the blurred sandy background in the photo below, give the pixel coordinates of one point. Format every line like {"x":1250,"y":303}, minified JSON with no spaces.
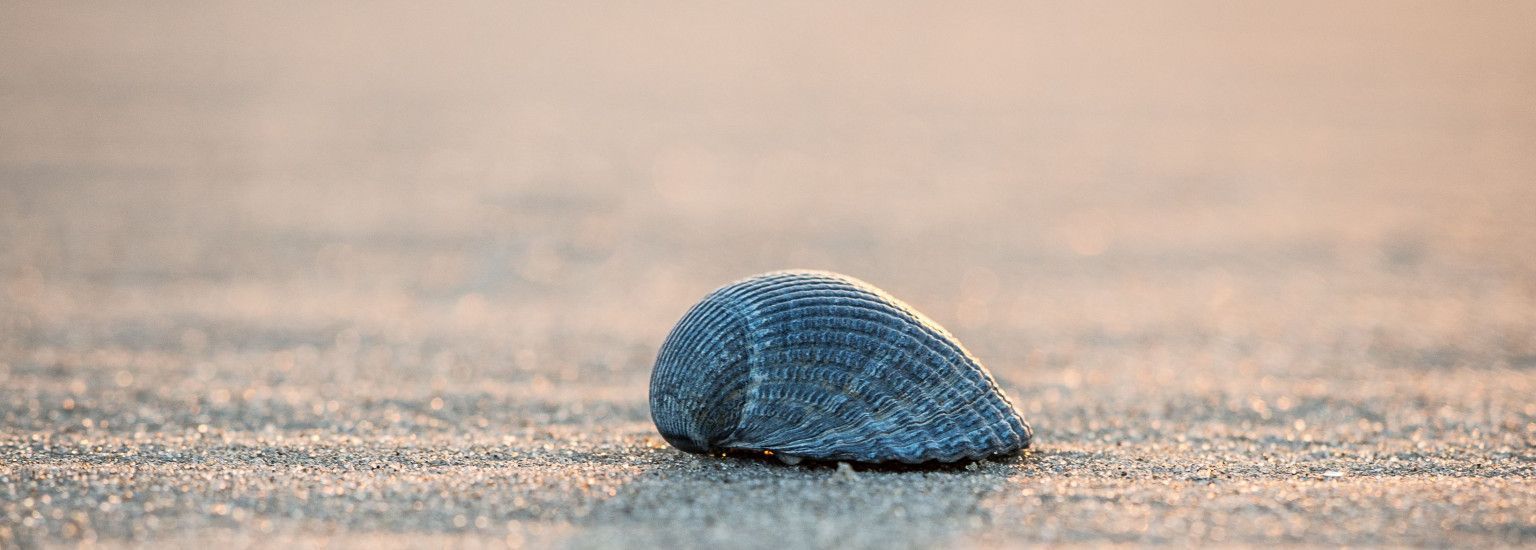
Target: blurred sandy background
{"x":478,"y":220}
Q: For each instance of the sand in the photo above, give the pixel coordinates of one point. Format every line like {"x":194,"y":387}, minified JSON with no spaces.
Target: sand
{"x":388,"y":276}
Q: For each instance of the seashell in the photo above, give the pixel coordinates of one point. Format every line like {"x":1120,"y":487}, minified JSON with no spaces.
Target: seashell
{"x":817,"y":365}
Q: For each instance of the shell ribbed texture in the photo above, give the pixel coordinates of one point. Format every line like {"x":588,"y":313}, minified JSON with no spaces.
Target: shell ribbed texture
{"x":824,"y":366}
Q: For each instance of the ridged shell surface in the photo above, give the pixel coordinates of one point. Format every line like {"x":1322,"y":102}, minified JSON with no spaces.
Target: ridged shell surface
{"x":810,"y":364}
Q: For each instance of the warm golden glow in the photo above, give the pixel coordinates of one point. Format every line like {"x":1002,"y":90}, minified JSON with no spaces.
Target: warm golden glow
{"x":413,"y":260}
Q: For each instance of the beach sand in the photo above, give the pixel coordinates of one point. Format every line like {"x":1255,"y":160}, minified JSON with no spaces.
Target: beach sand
{"x":385,"y":275}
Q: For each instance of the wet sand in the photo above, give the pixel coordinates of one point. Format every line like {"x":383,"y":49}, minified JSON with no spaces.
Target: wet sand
{"x":390,"y":276}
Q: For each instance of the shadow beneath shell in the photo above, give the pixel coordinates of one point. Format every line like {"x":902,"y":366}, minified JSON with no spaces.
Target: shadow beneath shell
{"x":693,"y":500}
{"x":892,"y":467}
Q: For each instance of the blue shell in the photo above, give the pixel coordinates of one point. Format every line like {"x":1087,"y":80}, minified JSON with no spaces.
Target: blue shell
{"x":818,"y":365}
